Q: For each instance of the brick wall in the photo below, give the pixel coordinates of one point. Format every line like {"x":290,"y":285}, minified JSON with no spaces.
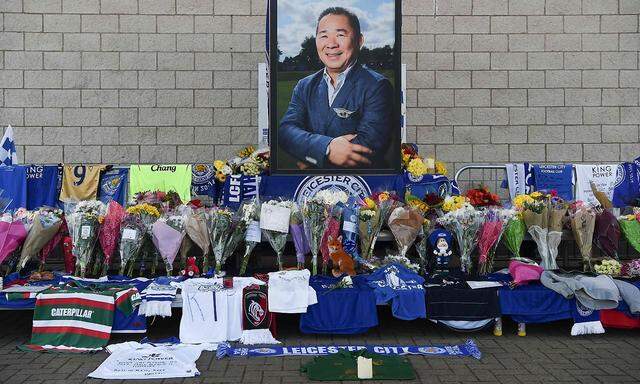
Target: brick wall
{"x":129,"y":81}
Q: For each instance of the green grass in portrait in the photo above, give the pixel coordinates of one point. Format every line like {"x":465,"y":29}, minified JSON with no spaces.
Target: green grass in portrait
{"x":287,"y":80}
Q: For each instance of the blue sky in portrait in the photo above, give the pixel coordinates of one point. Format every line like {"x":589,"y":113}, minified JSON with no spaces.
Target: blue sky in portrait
{"x":297,"y":20}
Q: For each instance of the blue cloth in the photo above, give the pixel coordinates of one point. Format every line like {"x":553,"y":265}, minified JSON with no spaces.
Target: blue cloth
{"x":203,"y":181}
{"x":15,"y":278}
{"x":403,"y":288}
{"x":426,"y":184}
{"x":13,"y":182}
{"x":42,"y":186}
{"x":113,"y":186}
{"x":239,"y":188}
{"x":627,"y":187}
{"x":343,"y":311}
{"x":350,"y":215}
{"x":534,"y":303}
{"x":310,"y":123}
{"x":554,"y":177}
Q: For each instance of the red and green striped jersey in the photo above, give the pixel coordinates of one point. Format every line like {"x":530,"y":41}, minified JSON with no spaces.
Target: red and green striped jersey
{"x":73,"y":319}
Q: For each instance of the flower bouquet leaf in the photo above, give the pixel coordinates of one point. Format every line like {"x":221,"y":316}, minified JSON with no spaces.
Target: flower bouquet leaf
{"x":274,"y":222}
{"x":313,"y":214}
{"x":405,"y":224}
{"x":109,"y":233}
{"x":46,"y":223}
{"x":250,"y":215}
{"x":219,"y":222}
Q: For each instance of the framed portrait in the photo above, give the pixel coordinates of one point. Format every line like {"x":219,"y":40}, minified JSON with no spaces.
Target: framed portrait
{"x":334,"y":96}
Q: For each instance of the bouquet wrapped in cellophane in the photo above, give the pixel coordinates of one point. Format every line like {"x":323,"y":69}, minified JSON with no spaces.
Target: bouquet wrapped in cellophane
{"x":493,"y":226}
{"x":167,"y":234}
{"x":237,"y":234}
{"x":296,"y":228}
{"x":405,"y":223}
{"x":430,"y":207}
{"x":250,"y":215}
{"x":374,"y":212}
{"x":313,"y":214}
{"x":219,"y":223}
{"x":109,"y":233}
{"x":464,"y":221}
{"x":197,"y":231}
{"x":14,"y":229}
{"x":583,"y":222}
{"x":134,"y":230}
{"x":275,"y":216}
{"x":84,"y":223}
{"x":334,"y":201}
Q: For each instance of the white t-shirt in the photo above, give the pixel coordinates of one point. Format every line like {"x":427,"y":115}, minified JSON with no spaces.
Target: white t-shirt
{"x":133,"y":360}
{"x":289,"y":292}
{"x":205,"y":320}
{"x":602,"y":175}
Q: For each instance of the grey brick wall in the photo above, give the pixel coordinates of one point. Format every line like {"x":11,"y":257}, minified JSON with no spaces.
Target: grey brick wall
{"x":489,"y":81}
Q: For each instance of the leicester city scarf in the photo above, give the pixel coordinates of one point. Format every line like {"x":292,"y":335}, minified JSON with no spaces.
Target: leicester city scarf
{"x":586,"y":321}
{"x":256,"y":317}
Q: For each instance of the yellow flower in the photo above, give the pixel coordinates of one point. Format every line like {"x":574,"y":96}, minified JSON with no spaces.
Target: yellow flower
{"x":405,"y":159}
{"x":384,"y":196}
{"x":419,"y":204}
{"x":218,"y":164}
{"x":246,"y":152}
{"x":535,"y":195}
{"x":370,"y":204}
{"x":416,"y":167}
{"x":441,"y":169}
{"x":520,"y":200}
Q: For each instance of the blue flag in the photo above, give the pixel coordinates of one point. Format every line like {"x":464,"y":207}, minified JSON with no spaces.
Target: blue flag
{"x":8,"y":154}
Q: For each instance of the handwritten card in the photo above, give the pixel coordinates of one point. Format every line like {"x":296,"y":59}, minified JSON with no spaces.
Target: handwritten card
{"x":274,"y":218}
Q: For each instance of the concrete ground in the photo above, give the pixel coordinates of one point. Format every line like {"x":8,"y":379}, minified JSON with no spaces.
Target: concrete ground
{"x":547,"y":354}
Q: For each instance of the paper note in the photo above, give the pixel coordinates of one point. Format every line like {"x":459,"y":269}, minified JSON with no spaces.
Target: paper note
{"x":129,"y":234}
{"x":85,"y":232}
{"x":253,"y":232}
{"x":274,"y":218}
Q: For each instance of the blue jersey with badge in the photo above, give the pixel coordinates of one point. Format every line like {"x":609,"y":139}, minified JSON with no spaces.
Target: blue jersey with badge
{"x":13,"y":182}
{"x":549,"y":177}
{"x":203,"y":182}
{"x":401,"y":286}
{"x":627,"y":187}
{"x":343,"y":311}
{"x":42,"y":186}
{"x":113,"y":186}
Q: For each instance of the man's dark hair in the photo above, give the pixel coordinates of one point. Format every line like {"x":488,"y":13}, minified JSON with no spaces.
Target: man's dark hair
{"x":354,"y":22}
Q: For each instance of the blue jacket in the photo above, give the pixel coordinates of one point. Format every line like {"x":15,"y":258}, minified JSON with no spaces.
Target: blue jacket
{"x":310,"y":123}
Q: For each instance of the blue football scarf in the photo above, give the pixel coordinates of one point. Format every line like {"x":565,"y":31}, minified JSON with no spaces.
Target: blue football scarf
{"x":554,"y":177}
{"x":467,"y":349}
{"x":350,"y":228}
{"x":426,"y":184}
{"x":627,"y":188}
{"x":42,"y":186}
{"x":586,"y":321}
{"x":113,"y":186}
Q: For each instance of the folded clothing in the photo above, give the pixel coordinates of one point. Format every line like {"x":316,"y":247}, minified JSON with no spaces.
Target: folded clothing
{"x":289,"y":291}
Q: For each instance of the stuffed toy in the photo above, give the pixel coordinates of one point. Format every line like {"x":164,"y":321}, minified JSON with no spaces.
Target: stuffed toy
{"x":191,"y":269}
{"x":440,"y":241}
{"x":342,"y":262}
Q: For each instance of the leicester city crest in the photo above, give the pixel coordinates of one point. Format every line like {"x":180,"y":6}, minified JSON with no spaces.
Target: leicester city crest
{"x":351,"y":185}
{"x":201,"y":173}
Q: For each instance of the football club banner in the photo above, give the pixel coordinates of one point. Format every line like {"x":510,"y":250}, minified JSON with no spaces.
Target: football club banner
{"x":113,"y":186}
{"x":238,"y":188}
{"x":467,"y":349}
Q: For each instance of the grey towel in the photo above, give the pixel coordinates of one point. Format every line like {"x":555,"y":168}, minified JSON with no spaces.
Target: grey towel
{"x":599,"y":292}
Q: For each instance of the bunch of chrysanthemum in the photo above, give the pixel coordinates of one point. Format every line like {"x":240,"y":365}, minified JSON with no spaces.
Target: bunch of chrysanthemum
{"x":608,"y":267}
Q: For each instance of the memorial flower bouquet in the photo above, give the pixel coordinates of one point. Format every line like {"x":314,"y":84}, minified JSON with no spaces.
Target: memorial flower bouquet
{"x":631,"y":268}
{"x":334,"y":202}
{"x":132,"y":235}
{"x":220,"y":224}
{"x":464,"y":222}
{"x":514,"y":235}
{"x":482,"y":197}
{"x":196,"y":227}
{"x":609,"y":267}
{"x":428,"y":222}
{"x":167,"y":234}
{"x":85,"y":222}
{"x":491,"y":230}
{"x":630,"y":228}
{"x":583,"y":221}
{"x":418,"y":166}
{"x":13,"y":232}
{"x":313,"y":214}
{"x":109,"y":233}
{"x":44,"y":224}
{"x":374,"y":212}
{"x":237,"y":235}
{"x":405,"y":223}
{"x":277,"y":233}
{"x":135,"y":229}
{"x":296,"y":228}
{"x":250,"y":215}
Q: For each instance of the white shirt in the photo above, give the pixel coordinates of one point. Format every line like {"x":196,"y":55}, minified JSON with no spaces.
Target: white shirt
{"x":332,"y":91}
{"x":289,"y":292}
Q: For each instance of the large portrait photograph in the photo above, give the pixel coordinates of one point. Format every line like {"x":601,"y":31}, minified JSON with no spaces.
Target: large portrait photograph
{"x":334,"y":86}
